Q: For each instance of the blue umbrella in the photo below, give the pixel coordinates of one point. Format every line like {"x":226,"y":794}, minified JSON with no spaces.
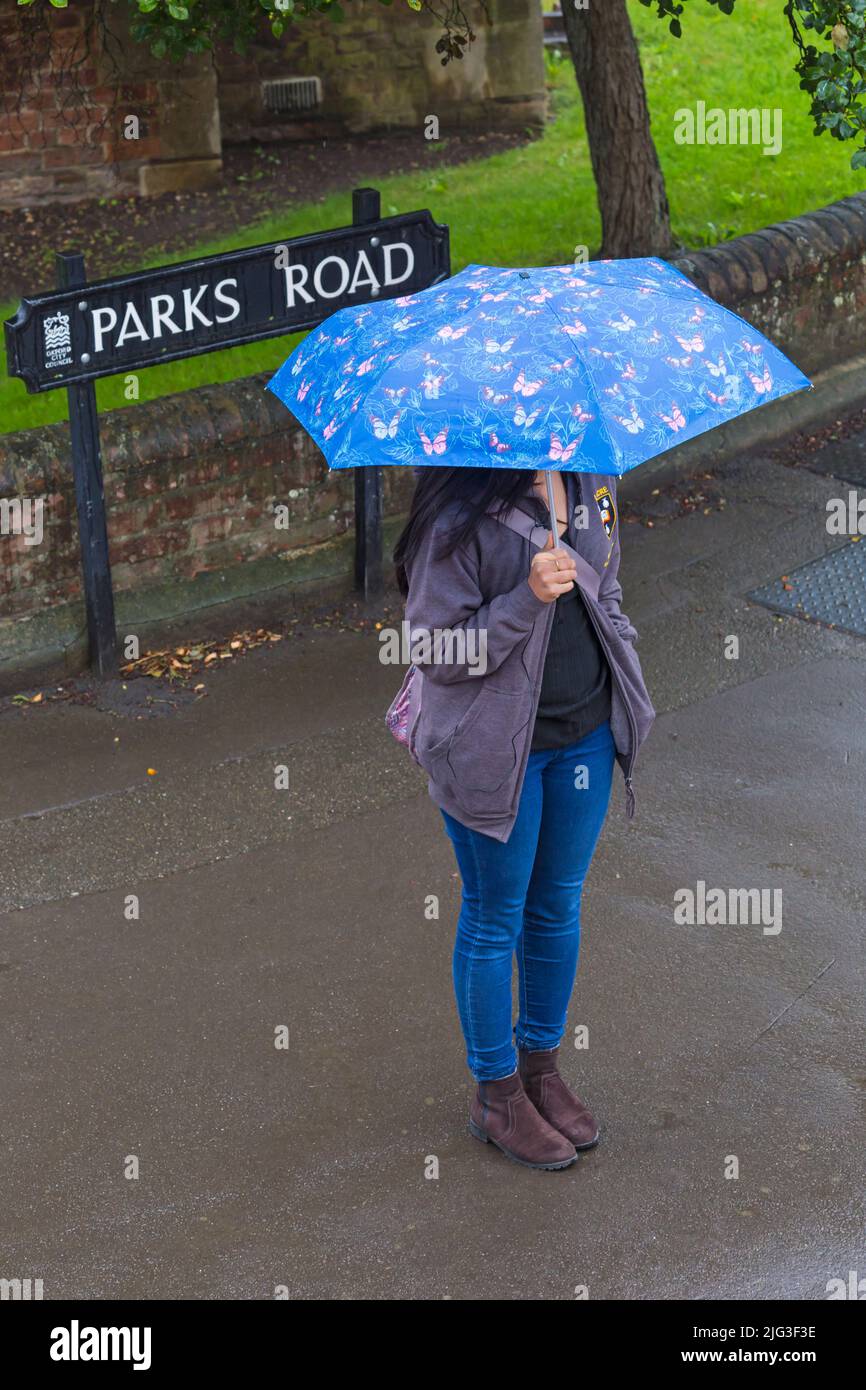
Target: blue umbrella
{"x":592,"y":368}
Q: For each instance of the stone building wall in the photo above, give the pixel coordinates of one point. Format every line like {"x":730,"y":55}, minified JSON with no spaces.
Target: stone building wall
{"x":379,"y":70}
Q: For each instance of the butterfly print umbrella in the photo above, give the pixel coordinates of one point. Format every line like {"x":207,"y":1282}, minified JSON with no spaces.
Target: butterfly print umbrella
{"x":593,"y":368}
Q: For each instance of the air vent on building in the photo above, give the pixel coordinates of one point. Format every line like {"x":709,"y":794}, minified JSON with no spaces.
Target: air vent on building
{"x":290,"y":94}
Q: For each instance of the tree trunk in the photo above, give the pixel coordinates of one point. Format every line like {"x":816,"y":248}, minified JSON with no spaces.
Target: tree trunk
{"x":635,"y":216}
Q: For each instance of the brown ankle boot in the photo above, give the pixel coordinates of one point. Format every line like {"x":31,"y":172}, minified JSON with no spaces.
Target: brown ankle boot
{"x":551,"y":1097}
{"x":501,"y":1113}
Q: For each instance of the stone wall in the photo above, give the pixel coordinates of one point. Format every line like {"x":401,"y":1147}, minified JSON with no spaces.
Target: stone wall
{"x":380,"y":70}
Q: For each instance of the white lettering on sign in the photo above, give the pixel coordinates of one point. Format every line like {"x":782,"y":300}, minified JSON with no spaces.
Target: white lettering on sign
{"x":390,"y":277}
{"x":132,"y":326}
{"x":103,"y":321}
{"x":319,"y":272}
{"x":297,"y":277}
{"x":173,"y":313}
{"x":362,"y":263}
{"x":161,"y":306}
{"x":227,"y":299}
{"x":190,"y":308}
{"x":163,"y":310}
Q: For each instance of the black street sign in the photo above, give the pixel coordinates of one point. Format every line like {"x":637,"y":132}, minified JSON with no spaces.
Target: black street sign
{"x":132,"y":321}
{"x":82,"y":331}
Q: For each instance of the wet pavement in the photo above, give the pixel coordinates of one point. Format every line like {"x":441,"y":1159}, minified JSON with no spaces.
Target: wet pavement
{"x":160,"y":1144}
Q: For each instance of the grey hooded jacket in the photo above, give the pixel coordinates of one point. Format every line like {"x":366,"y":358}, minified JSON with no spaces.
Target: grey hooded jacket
{"x":472,"y":732}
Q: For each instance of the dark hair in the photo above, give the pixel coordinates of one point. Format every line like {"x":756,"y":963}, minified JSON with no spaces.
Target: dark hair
{"x":477,"y":489}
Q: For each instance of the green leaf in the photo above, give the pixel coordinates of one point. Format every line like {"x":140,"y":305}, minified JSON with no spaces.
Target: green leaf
{"x":858,"y":159}
{"x":177,"y":11}
{"x":60,"y":4}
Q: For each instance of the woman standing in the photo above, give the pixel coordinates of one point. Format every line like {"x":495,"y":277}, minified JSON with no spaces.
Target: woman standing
{"x":519,"y":748}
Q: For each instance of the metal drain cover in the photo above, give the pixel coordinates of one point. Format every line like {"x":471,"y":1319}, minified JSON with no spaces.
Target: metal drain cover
{"x":831,"y":590}
{"x":844,"y":459}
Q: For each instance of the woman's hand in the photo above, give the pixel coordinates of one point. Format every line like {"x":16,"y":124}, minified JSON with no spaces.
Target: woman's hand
{"x":551,"y":573}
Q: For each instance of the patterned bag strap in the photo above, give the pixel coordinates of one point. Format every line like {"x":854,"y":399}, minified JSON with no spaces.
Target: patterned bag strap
{"x":537,"y":535}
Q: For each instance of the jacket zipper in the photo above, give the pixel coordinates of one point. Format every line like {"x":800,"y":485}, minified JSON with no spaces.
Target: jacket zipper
{"x":630,"y":799}
{"x":629,"y":789}
{"x":537,"y":696}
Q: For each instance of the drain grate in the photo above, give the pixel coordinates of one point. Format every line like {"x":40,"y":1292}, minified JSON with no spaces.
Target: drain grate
{"x":844,"y":459}
{"x":830,"y":590}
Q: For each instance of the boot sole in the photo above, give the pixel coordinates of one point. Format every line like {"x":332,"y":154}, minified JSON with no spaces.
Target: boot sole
{"x":524,"y":1163}
{"x":581,"y":1148}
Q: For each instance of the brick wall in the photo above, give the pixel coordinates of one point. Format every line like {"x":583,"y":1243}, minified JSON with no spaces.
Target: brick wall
{"x":801,"y":282}
{"x":191,"y":480}
{"x":65,"y":139}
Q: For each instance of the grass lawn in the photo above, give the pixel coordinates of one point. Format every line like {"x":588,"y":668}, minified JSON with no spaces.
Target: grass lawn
{"x":533,"y":205}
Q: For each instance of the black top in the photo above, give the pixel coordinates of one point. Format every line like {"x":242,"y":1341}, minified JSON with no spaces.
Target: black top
{"x":575,"y":683}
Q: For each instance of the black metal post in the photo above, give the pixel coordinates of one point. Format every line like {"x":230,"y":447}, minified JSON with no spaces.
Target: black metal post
{"x":368,"y":480}
{"x":89,"y":498}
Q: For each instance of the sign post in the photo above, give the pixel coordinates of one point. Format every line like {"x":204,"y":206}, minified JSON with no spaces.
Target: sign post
{"x":90,"y":499}
{"x":83,"y":331}
{"x":368,"y":481}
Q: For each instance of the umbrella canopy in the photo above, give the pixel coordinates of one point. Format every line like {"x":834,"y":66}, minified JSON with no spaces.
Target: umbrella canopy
{"x":592,"y":368}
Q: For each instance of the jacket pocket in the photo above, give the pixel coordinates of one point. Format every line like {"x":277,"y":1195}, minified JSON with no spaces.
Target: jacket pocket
{"x":482,"y":757}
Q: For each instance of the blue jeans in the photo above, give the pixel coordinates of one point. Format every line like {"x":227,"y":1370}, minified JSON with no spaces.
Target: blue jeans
{"x":523,"y":898}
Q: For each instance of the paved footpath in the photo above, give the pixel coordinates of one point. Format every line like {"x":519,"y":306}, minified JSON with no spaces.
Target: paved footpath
{"x":154,"y":1040}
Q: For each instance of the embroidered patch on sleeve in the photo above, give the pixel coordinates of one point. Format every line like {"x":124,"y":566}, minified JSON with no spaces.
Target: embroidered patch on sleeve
{"x":606,"y":508}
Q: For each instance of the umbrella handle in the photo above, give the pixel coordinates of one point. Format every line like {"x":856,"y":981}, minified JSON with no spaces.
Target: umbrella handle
{"x":551,"y":502}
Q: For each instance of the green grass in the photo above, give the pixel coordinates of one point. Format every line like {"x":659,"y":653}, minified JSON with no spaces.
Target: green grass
{"x":532,"y":206}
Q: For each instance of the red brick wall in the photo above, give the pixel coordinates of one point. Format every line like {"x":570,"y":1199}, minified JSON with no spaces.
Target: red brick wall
{"x":60,"y":140}
{"x":190,"y":486}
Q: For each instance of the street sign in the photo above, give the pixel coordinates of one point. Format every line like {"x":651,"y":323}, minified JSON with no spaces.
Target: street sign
{"x":121,"y":324}
{"x":82,"y":331}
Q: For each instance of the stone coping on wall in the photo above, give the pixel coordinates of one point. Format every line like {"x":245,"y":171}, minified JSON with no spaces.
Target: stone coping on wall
{"x":749,"y":266}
